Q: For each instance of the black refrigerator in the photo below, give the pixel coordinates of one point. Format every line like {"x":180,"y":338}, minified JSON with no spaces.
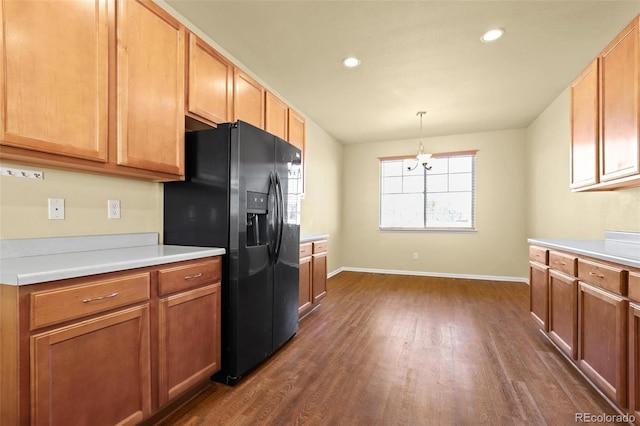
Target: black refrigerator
{"x":241,"y":192}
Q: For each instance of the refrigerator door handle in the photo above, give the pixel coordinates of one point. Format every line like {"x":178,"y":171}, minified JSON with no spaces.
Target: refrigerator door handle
{"x":280,"y":201}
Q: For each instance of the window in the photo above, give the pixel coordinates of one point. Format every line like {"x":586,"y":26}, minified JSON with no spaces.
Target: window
{"x":442,"y":198}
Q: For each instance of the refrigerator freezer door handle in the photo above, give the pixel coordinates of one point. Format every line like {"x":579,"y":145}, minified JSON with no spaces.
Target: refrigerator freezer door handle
{"x":280,"y":215}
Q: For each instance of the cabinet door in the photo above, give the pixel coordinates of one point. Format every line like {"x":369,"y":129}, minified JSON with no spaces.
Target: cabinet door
{"x":584,"y":127}
{"x":634,"y":359}
{"x":620,"y":91}
{"x":189,"y":340}
{"x":296,"y":137}
{"x":602,"y":340}
{"x":151,"y":67}
{"x":248,"y":100}
{"x":276,"y":116}
{"x":305,"y":286}
{"x":54,"y":77}
{"x":210,"y":92}
{"x":539,"y":294}
{"x":319,"y":276}
{"x":296,"y":131}
{"x":563,"y":312}
{"x":95,"y":372}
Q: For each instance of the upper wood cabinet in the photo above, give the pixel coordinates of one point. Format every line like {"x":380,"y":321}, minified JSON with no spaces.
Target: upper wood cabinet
{"x":296,"y":133}
{"x":296,"y":137}
{"x":620,"y":92}
{"x":151,"y":64}
{"x":276,"y":116}
{"x":210,"y":88}
{"x":605,"y":114}
{"x":103,"y":92}
{"x":54,"y":77}
{"x":584,"y":127}
{"x":111,"y":89}
{"x":248,"y":100}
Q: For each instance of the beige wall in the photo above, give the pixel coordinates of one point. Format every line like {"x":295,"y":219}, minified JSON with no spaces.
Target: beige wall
{"x":497,"y":249}
{"x":556,"y":212}
{"x":23,"y":204}
{"x":322,"y":205}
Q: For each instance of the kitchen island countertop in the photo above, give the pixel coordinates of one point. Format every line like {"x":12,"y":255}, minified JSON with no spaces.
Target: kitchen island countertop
{"x":33,"y":261}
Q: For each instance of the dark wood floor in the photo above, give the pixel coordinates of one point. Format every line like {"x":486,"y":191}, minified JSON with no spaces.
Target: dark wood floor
{"x":400,"y":350}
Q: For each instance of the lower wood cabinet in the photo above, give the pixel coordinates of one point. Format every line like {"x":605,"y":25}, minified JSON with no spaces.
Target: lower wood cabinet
{"x":305,"y":299}
{"x":319,"y":284}
{"x":539,"y":293}
{"x":634,"y":359}
{"x":590,"y":309}
{"x":313,"y":275}
{"x":189,"y":340}
{"x":602,"y":340}
{"x":110,"y":349}
{"x":563,"y":315}
{"x":96,"y":372}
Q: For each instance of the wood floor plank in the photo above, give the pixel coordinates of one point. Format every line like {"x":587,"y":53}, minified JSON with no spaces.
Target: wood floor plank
{"x":403,"y":350}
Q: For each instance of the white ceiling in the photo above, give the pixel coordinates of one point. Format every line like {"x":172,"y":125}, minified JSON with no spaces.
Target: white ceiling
{"x":416,"y":55}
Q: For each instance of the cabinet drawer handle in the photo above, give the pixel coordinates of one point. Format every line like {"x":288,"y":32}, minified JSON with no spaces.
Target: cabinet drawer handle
{"x":593,"y":274}
{"x":93,"y":299}
{"x":193,"y":277}
{"x":560,"y":263}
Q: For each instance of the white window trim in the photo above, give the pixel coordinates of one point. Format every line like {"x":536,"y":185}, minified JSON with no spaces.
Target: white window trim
{"x":456,"y":230}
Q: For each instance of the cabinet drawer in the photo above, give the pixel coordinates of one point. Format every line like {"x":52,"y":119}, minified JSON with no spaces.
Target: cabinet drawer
{"x":563,"y":263}
{"x":634,"y":286}
{"x":55,"y":306}
{"x":305,"y":250}
{"x":603,"y":276}
{"x":188,"y":275}
{"x":539,"y":254}
{"x":319,"y":246}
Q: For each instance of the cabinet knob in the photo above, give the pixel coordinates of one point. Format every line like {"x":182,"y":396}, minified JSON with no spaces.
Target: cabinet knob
{"x":594,"y":274}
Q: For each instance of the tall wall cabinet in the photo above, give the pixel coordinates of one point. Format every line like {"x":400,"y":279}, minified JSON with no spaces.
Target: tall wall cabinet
{"x":605,"y":117}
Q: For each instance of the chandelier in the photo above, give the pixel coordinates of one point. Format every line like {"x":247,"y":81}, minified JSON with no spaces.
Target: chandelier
{"x":421,"y":157}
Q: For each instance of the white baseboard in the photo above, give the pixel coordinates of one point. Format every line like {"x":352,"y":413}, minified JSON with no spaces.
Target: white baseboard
{"x":430,"y":274}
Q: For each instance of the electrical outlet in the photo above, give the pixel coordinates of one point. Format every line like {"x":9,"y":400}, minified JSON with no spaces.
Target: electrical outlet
{"x":415,"y":256}
{"x":56,"y":208}
{"x":113,"y":209}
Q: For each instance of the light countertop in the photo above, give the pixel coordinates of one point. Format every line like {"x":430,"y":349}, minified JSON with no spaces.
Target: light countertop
{"x":305,"y":238}
{"x":39,"y":260}
{"x":617,"y":247}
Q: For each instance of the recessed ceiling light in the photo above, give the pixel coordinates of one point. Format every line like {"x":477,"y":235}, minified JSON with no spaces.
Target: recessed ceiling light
{"x":351,"y":62}
{"x":492,"y":35}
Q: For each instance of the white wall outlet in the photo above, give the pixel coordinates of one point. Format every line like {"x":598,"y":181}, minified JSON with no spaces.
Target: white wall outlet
{"x":415,"y":256}
{"x":113,"y":209}
{"x":56,"y":208}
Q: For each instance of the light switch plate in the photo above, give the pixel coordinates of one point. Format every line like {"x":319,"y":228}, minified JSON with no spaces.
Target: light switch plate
{"x":56,"y":208}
